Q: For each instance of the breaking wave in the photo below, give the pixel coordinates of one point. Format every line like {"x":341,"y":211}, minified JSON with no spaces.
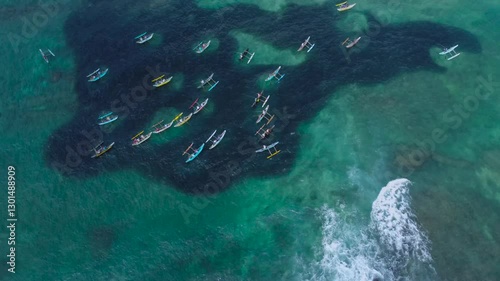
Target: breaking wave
{"x":396,"y":224}
{"x":389,"y":245}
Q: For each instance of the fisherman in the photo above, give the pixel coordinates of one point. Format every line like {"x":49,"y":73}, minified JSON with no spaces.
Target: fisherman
{"x":257,"y":99}
{"x":242,"y":55}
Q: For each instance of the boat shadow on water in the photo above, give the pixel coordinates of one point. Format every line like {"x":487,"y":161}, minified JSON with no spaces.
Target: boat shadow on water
{"x":395,"y":50}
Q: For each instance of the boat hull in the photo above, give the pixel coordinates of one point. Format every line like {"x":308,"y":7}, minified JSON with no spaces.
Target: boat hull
{"x":220,"y":137}
{"x":104,"y":150}
{"x":194,"y":155}
{"x":143,"y":140}
{"x":346,"y":8}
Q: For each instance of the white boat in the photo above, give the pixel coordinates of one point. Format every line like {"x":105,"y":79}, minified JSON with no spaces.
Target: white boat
{"x":140,"y":138}
{"x":45,"y":55}
{"x":199,"y":107}
{"x":216,"y":140}
{"x":451,"y":52}
{"x":143,"y":38}
{"x":200,"y":48}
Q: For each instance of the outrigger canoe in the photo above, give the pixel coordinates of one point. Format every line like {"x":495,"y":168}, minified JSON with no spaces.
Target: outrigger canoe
{"x":160,"y":81}
{"x":100,"y":150}
{"x":166,"y":126}
{"x":140,"y":138}
{"x":217,"y":139}
{"x":351,"y":44}
{"x":143,"y":38}
{"x":199,"y":107}
{"x":268,"y":148}
{"x":183,"y":120}
{"x":344,"y":6}
{"x":201,"y":47}
{"x":107,"y":118}
{"x":45,"y":55}
{"x":195,"y":153}
{"x":97,"y":74}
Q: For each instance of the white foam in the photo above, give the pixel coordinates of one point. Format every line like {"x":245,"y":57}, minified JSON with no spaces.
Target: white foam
{"x":347,"y":252}
{"x":395,"y":223}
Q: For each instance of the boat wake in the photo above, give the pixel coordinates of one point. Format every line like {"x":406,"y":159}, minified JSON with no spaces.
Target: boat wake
{"x":390,"y":247}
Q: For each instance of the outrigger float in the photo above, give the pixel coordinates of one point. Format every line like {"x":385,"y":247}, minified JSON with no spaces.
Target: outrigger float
{"x":276,"y":74}
{"x":46,"y":55}
{"x":215,"y":140}
{"x":100,"y":150}
{"x":344,"y":6}
{"x":350,"y":43}
{"x":201,"y":47}
{"x":247,"y":54}
{"x":195,"y":152}
{"x":160,"y":81}
{"x":183,"y":120}
{"x":140,"y":138}
{"x":269,"y":148}
{"x":107,"y":118}
{"x":451,"y":52}
{"x":264,"y":133}
{"x":143,"y":38}
{"x":97,"y":74}
{"x":259,"y":99}
{"x":199,"y":106}
{"x":306,"y":44}
{"x":209,"y":81}
{"x":265,"y":115}
{"x":160,"y":128}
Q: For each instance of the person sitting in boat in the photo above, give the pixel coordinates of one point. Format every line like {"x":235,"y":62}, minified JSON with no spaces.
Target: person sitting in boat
{"x":242,"y":55}
{"x":257,"y":99}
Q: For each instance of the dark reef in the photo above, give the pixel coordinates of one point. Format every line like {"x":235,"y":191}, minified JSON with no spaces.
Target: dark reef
{"x":101,"y":35}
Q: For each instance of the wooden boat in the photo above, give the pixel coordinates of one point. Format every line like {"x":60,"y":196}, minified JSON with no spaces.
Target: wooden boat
{"x":97,"y":74}
{"x":183,"y":120}
{"x":275,"y":74}
{"x":271,"y":149}
{"x":199,"y":107}
{"x":159,"y":129}
{"x":451,"y":52}
{"x":350,"y":43}
{"x":200,"y":48}
{"x":215,"y":141}
{"x":140,"y":138}
{"x":107,"y":118}
{"x":100,"y":150}
{"x":344,"y":6}
{"x":195,"y":153}
{"x":160,"y":81}
{"x":45,"y":55}
{"x":307,"y":44}
{"x":143,"y":38}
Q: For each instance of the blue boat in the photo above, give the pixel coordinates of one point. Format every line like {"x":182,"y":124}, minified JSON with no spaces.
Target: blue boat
{"x":97,"y":74}
{"x":195,"y":153}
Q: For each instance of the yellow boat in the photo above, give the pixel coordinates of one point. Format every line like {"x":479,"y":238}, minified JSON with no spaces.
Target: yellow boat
{"x":160,"y":81}
{"x":183,"y":120}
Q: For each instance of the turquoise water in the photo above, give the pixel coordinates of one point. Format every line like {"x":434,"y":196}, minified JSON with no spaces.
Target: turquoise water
{"x":333,"y":205}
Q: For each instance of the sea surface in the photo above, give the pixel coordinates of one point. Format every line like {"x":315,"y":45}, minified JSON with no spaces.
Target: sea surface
{"x":389,"y":154}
